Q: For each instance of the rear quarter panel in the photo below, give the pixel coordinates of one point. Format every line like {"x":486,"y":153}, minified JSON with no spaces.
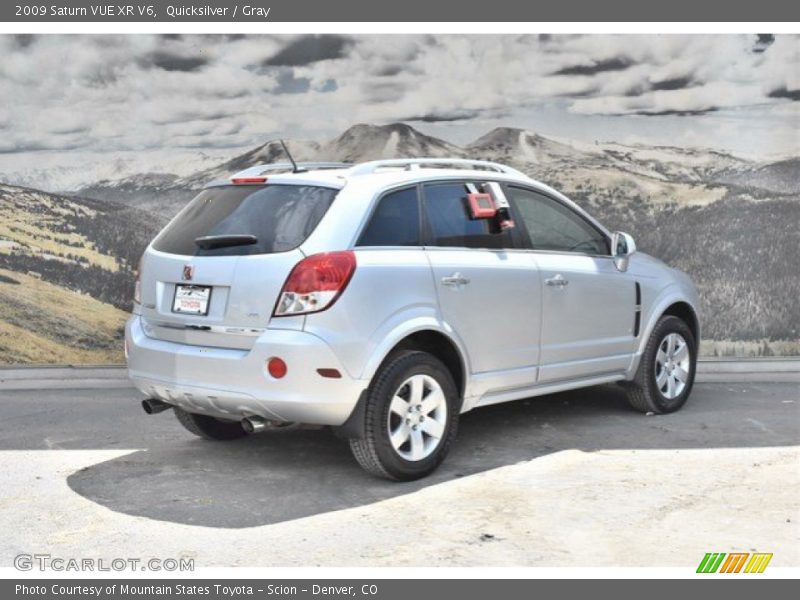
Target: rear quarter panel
{"x":391,"y":294}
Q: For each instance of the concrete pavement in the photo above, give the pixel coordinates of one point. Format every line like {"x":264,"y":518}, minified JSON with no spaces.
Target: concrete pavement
{"x":574,"y":479}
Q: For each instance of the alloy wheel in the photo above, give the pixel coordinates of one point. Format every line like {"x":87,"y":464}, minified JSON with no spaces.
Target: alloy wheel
{"x":673,"y":362}
{"x":417,"y":418}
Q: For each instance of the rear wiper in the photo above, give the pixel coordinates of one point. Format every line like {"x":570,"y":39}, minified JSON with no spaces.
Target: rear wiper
{"x":209,"y":242}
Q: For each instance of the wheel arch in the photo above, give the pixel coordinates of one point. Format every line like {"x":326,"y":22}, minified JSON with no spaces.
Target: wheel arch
{"x":671,"y":303}
{"x":423,"y":331}
{"x":684,"y":311}
{"x":427,"y":338}
{"x":442,"y":347}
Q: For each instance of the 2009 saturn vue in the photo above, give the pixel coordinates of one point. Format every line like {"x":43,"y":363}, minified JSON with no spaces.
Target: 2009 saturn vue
{"x":387,"y":298}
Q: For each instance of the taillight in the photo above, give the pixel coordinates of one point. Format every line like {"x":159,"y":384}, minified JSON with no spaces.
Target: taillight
{"x":315,"y":283}
{"x":137,"y":283}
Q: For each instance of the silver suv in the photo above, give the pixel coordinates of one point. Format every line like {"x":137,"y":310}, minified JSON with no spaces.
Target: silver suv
{"x":386,"y":298}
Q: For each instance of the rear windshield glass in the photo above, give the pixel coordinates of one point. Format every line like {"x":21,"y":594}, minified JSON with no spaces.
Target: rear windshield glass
{"x":246,"y":219}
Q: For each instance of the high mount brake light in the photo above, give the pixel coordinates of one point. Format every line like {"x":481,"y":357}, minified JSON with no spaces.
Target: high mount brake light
{"x":246,"y":180}
{"x":315,"y":283}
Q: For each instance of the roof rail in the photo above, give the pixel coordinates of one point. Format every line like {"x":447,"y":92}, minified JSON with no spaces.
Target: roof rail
{"x":302,"y":166}
{"x":417,"y":163}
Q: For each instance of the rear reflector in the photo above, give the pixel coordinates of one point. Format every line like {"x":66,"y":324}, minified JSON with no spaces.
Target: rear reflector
{"x":315,"y":283}
{"x":330,"y":373}
{"x":246,"y":180}
{"x":276,"y":367}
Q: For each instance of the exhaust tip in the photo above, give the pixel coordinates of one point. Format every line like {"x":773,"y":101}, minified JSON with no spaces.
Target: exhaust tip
{"x":154,"y":406}
{"x":254,"y":424}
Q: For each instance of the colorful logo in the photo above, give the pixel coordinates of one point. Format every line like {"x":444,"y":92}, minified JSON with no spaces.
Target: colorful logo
{"x":734,"y":562}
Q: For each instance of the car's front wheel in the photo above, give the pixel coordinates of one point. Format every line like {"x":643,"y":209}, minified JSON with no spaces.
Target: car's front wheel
{"x":666,"y":371}
{"x":411,"y":418}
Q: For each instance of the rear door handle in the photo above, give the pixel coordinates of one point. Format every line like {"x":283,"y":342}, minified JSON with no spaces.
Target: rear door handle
{"x":455,"y":280}
{"x":557,"y":281}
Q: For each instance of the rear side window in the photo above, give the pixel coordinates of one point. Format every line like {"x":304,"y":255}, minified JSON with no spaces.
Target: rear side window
{"x":448,"y":215}
{"x":395,"y":221}
{"x":246,"y":220}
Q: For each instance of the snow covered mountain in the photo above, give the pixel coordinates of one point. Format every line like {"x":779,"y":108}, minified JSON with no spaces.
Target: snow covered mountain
{"x":271,"y":152}
{"x":523,"y":147}
{"x":599,"y":172}
{"x":397,"y":140}
{"x":506,"y":144}
{"x":165,"y":193}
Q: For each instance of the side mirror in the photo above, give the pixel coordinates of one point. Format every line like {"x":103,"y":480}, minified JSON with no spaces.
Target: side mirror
{"x":622,"y":246}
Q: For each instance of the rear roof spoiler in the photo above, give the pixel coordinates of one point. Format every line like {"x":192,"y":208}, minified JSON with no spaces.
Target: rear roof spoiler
{"x":302,"y":166}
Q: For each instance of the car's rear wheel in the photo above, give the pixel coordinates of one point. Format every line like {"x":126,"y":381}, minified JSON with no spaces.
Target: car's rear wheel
{"x":208,"y":427}
{"x":666,"y":371}
{"x":411,"y":418}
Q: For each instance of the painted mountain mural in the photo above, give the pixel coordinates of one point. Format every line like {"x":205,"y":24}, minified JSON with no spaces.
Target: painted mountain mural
{"x":67,"y":255}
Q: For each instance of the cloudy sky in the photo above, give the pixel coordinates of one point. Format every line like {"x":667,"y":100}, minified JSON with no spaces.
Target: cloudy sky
{"x":67,"y":95}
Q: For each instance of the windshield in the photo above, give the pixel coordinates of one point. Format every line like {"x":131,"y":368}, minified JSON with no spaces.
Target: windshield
{"x":246,"y":219}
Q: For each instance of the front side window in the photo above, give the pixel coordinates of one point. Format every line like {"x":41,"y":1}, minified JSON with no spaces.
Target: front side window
{"x":395,"y":221}
{"x":237,"y":220}
{"x":553,"y":226}
{"x":451,"y":225}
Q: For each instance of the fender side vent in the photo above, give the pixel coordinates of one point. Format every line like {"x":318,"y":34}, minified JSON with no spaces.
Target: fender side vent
{"x":637,"y":319}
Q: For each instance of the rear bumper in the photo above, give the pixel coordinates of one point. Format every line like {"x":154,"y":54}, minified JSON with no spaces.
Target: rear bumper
{"x":233,"y":384}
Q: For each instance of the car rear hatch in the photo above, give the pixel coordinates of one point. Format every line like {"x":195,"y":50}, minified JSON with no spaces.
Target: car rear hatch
{"x":213,"y":275}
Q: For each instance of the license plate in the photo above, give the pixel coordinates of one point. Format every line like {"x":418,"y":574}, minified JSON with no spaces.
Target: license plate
{"x":191,"y":299}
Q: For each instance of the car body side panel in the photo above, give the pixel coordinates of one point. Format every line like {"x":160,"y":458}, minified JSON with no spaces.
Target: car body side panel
{"x":408,"y":323}
{"x":587,"y":323}
{"x":662,"y":286}
{"x":497,"y":311}
{"x":390,"y":286}
{"x":671,"y":295}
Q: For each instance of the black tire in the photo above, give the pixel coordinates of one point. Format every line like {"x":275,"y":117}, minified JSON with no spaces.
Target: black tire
{"x":375,"y":452}
{"x":643,"y":392}
{"x":210,"y":428}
